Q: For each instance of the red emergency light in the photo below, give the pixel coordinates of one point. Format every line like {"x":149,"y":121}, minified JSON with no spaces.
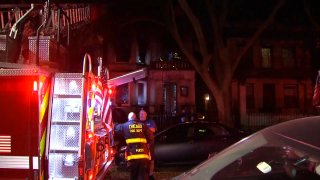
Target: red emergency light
{"x":35,"y":86}
{"x":110,"y":91}
{"x":89,"y":134}
{"x":90,"y":175}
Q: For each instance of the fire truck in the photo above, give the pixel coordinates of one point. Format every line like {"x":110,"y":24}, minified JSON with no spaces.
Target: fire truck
{"x":54,"y":125}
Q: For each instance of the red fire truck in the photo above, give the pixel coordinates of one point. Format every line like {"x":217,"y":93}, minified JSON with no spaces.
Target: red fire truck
{"x":53,"y":125}
{"x":56,"y":125}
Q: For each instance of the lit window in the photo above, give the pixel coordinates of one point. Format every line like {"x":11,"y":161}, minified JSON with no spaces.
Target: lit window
{"x":142,"y":93}
{"x":266,"y":57}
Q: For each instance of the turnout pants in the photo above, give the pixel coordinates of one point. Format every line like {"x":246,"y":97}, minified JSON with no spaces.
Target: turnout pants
{"x":139,"y":169}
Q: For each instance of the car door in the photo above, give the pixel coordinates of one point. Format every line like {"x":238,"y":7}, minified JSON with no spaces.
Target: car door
{"x":211,"y":138}
{"x":176,"y":145}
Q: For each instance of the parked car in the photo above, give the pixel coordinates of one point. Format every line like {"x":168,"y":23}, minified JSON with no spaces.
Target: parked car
{"x":289,"y":150}
{"x":189,"y":143}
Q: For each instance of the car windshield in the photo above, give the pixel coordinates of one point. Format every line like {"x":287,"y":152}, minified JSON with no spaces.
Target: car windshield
{"x":265,"y":155}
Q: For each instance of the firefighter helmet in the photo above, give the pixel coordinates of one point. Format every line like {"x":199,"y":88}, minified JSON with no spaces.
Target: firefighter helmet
{"x":132,"y":116}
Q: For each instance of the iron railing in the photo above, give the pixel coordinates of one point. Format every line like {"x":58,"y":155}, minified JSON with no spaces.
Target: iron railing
{"x":170,"y":65}
{"x":256,"y":121}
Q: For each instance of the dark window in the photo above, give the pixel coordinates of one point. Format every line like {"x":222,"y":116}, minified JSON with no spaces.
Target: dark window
{"x":203,"y":132}
{"x":219,"y":131}
{"x":207,"y":131}
{"x":288,"y":57}
{"x":170,"y":98}
{"x":247,"y":58}
{"x":122,"y":94}
{"x":269,"y":98}
{"x":291,"y":99}
{"x":181,"y":133}
{"x":123,"y":48}
{"x":250,"y":96}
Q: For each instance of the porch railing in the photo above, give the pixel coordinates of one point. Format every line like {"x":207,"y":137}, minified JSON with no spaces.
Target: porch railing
{"x":170,"y":65}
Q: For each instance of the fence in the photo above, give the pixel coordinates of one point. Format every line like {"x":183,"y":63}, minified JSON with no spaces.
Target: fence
{"x":257,"y":121}
{"x":253,"y":122}
{"x":164,"y":120}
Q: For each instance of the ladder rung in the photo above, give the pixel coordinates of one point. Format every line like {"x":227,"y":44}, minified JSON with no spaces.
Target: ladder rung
{"x":66,"y":123}
{"x":67,"y":96}
{"x":63,"y":151}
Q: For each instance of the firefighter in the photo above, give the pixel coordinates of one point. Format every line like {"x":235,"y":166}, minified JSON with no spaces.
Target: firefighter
{"x":137,"y":136}
{"x":153,"y":128}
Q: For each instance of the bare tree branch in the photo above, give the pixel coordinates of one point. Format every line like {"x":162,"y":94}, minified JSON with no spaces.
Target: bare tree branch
{"x":177,"y":37}
{"x":196,"y":26}
{"x":217,"y":26}
{"x":224,"y":14}
{"x":143,"y":19}
{"x":306,"y":7}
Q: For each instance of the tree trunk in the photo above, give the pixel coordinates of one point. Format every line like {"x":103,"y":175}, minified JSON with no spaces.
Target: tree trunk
{"x":223,"y":106}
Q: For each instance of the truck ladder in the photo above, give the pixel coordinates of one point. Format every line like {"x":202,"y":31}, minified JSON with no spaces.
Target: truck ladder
{"x":66,"y":14}
{"x":65,"y":126}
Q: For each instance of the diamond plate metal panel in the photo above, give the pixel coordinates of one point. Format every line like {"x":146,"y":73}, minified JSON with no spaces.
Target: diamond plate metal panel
{"x":68,"y":75}
{"x":65,"y":137}
{"x":59,"y":168}
{"x":23,"y":72}
{"x":68,"y":86}
{"x":44,"y":48}
{"x":3,"y":48}
{"x":3,"y":42}
{"x":66,"y":109}
{"x":48,"y":50}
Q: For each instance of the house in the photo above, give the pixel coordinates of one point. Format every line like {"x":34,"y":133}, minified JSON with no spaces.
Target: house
{"x":168,"y":88}
{"x":274,"y":81}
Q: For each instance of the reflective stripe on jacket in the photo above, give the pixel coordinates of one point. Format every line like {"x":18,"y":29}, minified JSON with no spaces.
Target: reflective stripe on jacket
{"x":136,"y":140}
{"x":137,"y":156}
{"x":137,"y":137}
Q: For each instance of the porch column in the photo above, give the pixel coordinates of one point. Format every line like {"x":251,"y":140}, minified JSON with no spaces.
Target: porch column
{"x":242,"y":103}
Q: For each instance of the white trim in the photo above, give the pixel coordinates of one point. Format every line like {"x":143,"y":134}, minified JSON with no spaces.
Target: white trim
{"x":14,"y":162}
{"x":35,"y":163}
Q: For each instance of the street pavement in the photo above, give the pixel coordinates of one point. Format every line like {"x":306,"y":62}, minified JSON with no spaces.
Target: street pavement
{"x":161,"y":173}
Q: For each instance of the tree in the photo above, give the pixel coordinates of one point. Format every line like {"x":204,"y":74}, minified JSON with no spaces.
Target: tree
{"x":211,"y":58}
{"x":199,"y":28}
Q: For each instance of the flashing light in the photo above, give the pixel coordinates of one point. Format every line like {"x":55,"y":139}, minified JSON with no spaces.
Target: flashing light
{"x":93,"y":87}
{"x":80,"y":170}
{"x":89,"y":134}
{"x":40,"y":85}
{"x":110,"y":91}
{"x":112,"y":151}
{"x":90,"y":175}
{"x":35,"y":86}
